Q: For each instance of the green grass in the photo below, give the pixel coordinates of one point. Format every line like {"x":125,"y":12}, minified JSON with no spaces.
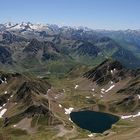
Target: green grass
{"x":39,"y":120}
{"x":123,"y":122}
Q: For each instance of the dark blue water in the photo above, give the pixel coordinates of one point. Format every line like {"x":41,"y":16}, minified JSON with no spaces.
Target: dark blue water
{"x":96,"y":122}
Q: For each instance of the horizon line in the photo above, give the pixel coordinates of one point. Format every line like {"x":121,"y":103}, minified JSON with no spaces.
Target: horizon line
{"x":71,"y":26}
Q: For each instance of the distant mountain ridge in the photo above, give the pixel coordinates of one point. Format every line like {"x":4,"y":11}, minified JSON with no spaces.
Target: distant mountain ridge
{"x":54,"y":46}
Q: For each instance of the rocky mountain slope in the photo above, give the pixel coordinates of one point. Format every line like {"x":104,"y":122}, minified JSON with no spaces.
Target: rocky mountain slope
{"x":30,"y":105}
{"x":22,"y":98}
{"x":111,"y":74}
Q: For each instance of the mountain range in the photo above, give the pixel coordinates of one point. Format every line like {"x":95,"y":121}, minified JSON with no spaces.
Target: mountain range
{"x":45,"y":43}
{"x":48,"y":71}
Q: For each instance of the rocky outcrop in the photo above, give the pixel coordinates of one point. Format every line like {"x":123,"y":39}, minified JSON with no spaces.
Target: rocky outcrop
{"x":88,"y":49}
{"x":5,"y":55}
{"x":109,"y":70}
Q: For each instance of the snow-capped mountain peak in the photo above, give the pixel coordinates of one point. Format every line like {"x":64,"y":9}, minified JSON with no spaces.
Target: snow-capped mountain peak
{"x":24,"y":25}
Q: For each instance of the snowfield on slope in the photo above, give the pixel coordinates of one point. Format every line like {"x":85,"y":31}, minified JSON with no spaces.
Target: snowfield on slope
{"x":2,"y":112}
{"x":69,"y":110}
{"x":130,"y":116}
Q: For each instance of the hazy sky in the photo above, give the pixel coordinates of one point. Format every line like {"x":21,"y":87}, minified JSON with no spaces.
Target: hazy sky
{"x":96,"y":14}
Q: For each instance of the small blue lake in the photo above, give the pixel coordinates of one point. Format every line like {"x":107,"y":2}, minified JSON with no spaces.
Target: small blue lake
{"x":96,"y":122}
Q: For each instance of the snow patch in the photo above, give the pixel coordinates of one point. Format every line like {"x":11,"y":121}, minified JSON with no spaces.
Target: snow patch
{"x":11,"y":96}
{"x":60,"y":105}
{"x":138,"y":114}
{"x":2,"y":112}
{"x":111,"y":87}
{"x":90,"y":135}
{"x":38,"y":26}
{"x":40,"y":77}
{"x":4,"y":80}
{"x":70,"y":120}
{"x":102,"y":89}
{"x":131,"y":116}
{"x":4,"y":105}
{"x":69,"y":110}
{"x":102,"y":92}
{"x":111,"y":71}
{"x":87,"y":97}
{"x":93,"y":89}
{"x":14,"y":125}
{"x":5,"y":92}
{"x":76,"y":86}
{"x":101,"y":96}
{"x":126,"y":117}
{"x":111,"y":82}
{"x":138,"y":96}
